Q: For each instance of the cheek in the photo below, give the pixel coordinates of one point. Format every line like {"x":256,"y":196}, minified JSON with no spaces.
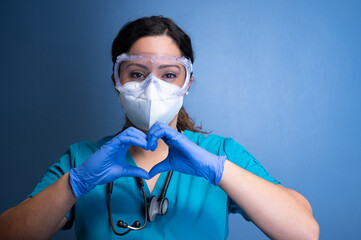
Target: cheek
{"x":123,"y":79}
{"x":179,"y":84}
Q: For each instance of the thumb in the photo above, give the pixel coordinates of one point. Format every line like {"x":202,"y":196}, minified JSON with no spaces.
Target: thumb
{"x":163,"y":166}
{"x":137,"y":172}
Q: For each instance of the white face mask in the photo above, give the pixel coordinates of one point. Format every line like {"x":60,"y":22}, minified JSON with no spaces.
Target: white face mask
{"x":152,"y":104}
{"x":151,"y":88}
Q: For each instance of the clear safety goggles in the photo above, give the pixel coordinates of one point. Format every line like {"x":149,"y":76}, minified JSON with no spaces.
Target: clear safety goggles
{"x":137,"y":68}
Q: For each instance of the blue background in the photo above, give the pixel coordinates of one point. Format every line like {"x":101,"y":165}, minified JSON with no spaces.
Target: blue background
{"x":280,"y":77}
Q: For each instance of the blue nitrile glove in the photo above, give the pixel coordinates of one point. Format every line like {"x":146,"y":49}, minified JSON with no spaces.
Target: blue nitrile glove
{"x":108,"y":163}
{"x":184,"y":155}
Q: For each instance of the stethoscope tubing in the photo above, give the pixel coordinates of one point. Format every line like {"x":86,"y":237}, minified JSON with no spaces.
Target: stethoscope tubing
{"x":110,"y":190}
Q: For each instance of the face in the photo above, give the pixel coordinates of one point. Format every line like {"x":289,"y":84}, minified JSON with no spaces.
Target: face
{"x":158,"y":55}
{"x":137,"y":70}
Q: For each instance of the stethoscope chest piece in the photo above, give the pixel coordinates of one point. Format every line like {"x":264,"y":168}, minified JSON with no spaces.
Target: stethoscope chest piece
{"x":157,"y":207}
{"x":164,"y":206}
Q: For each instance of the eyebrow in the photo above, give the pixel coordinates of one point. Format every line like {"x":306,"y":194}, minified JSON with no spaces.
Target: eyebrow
{"x":169,"y":65}
{"x":138,"y":65}
{"x":146,"y":68}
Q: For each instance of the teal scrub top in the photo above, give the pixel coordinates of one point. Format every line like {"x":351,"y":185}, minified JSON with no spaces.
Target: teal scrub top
{"x":197,"y":209}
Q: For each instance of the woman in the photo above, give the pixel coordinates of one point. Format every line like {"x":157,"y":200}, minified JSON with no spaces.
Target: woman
{"x":191,"y":182}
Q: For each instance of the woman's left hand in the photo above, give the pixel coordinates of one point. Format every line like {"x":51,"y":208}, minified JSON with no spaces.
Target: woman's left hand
{"x":184,"y":155}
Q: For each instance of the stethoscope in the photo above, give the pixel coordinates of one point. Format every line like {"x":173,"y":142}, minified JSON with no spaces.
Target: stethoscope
{"x":156,"y":206}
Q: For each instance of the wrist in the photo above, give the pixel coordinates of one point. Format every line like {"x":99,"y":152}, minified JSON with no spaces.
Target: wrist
{"x":78,"y":185}
{"x":69,"y":196}
{"x":219,"y":168}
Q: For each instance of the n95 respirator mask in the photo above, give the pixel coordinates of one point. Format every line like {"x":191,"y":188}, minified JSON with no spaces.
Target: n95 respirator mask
{"x":151,"y":88}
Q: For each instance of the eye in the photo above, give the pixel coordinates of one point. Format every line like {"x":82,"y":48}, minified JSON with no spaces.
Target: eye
{"x":137,"y":76}
{"x":169,"y":76}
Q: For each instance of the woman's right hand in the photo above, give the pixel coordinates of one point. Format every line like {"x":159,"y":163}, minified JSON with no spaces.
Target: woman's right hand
{"x":108,"y":163}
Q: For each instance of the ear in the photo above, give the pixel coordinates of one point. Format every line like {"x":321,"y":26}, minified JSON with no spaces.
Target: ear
{"x":113,"y":80}
{"x":190,"y":82}
{"x":112,"y":77}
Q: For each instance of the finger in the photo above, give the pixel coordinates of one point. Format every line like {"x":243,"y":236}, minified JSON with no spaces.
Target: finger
{"x":163,"y":166}
{"x":122,"y":142}
{"x":131,"y":132}
{"x":156,"y":126}
{"x":152,"y":140}
{"x":136,"y":172}
{"x":134,"y":141}
{"x":159,"y":130}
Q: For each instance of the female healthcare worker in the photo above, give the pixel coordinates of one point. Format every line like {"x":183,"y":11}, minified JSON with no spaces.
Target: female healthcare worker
{"x":164,"y":176}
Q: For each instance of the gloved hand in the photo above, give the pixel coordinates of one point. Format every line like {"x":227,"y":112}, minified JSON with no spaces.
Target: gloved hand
{"x":108,"y":163}
{"x":184,"y":155}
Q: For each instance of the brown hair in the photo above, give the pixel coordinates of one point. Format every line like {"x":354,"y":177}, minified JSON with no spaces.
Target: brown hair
{"x":155,"y":26}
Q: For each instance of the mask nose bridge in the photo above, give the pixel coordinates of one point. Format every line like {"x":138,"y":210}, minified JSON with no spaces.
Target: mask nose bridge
{"x":151,"y":79}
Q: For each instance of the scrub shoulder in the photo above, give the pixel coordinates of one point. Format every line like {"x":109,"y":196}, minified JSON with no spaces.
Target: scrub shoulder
{"x":234,"y":152}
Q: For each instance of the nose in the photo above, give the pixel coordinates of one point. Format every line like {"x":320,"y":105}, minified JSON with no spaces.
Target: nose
{"x":152,"y":78}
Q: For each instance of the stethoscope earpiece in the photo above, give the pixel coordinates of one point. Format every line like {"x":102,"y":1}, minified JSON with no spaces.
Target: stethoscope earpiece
{"x":122,"y":224}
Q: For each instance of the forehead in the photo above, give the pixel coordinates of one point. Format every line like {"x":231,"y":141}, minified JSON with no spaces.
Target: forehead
{"x":156,"y":45}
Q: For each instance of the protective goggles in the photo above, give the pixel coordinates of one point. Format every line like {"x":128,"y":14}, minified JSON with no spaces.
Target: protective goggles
{"x":137,"y":68}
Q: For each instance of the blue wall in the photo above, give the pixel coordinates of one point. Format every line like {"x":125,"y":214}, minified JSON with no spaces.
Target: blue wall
{"x":282,"y":78}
